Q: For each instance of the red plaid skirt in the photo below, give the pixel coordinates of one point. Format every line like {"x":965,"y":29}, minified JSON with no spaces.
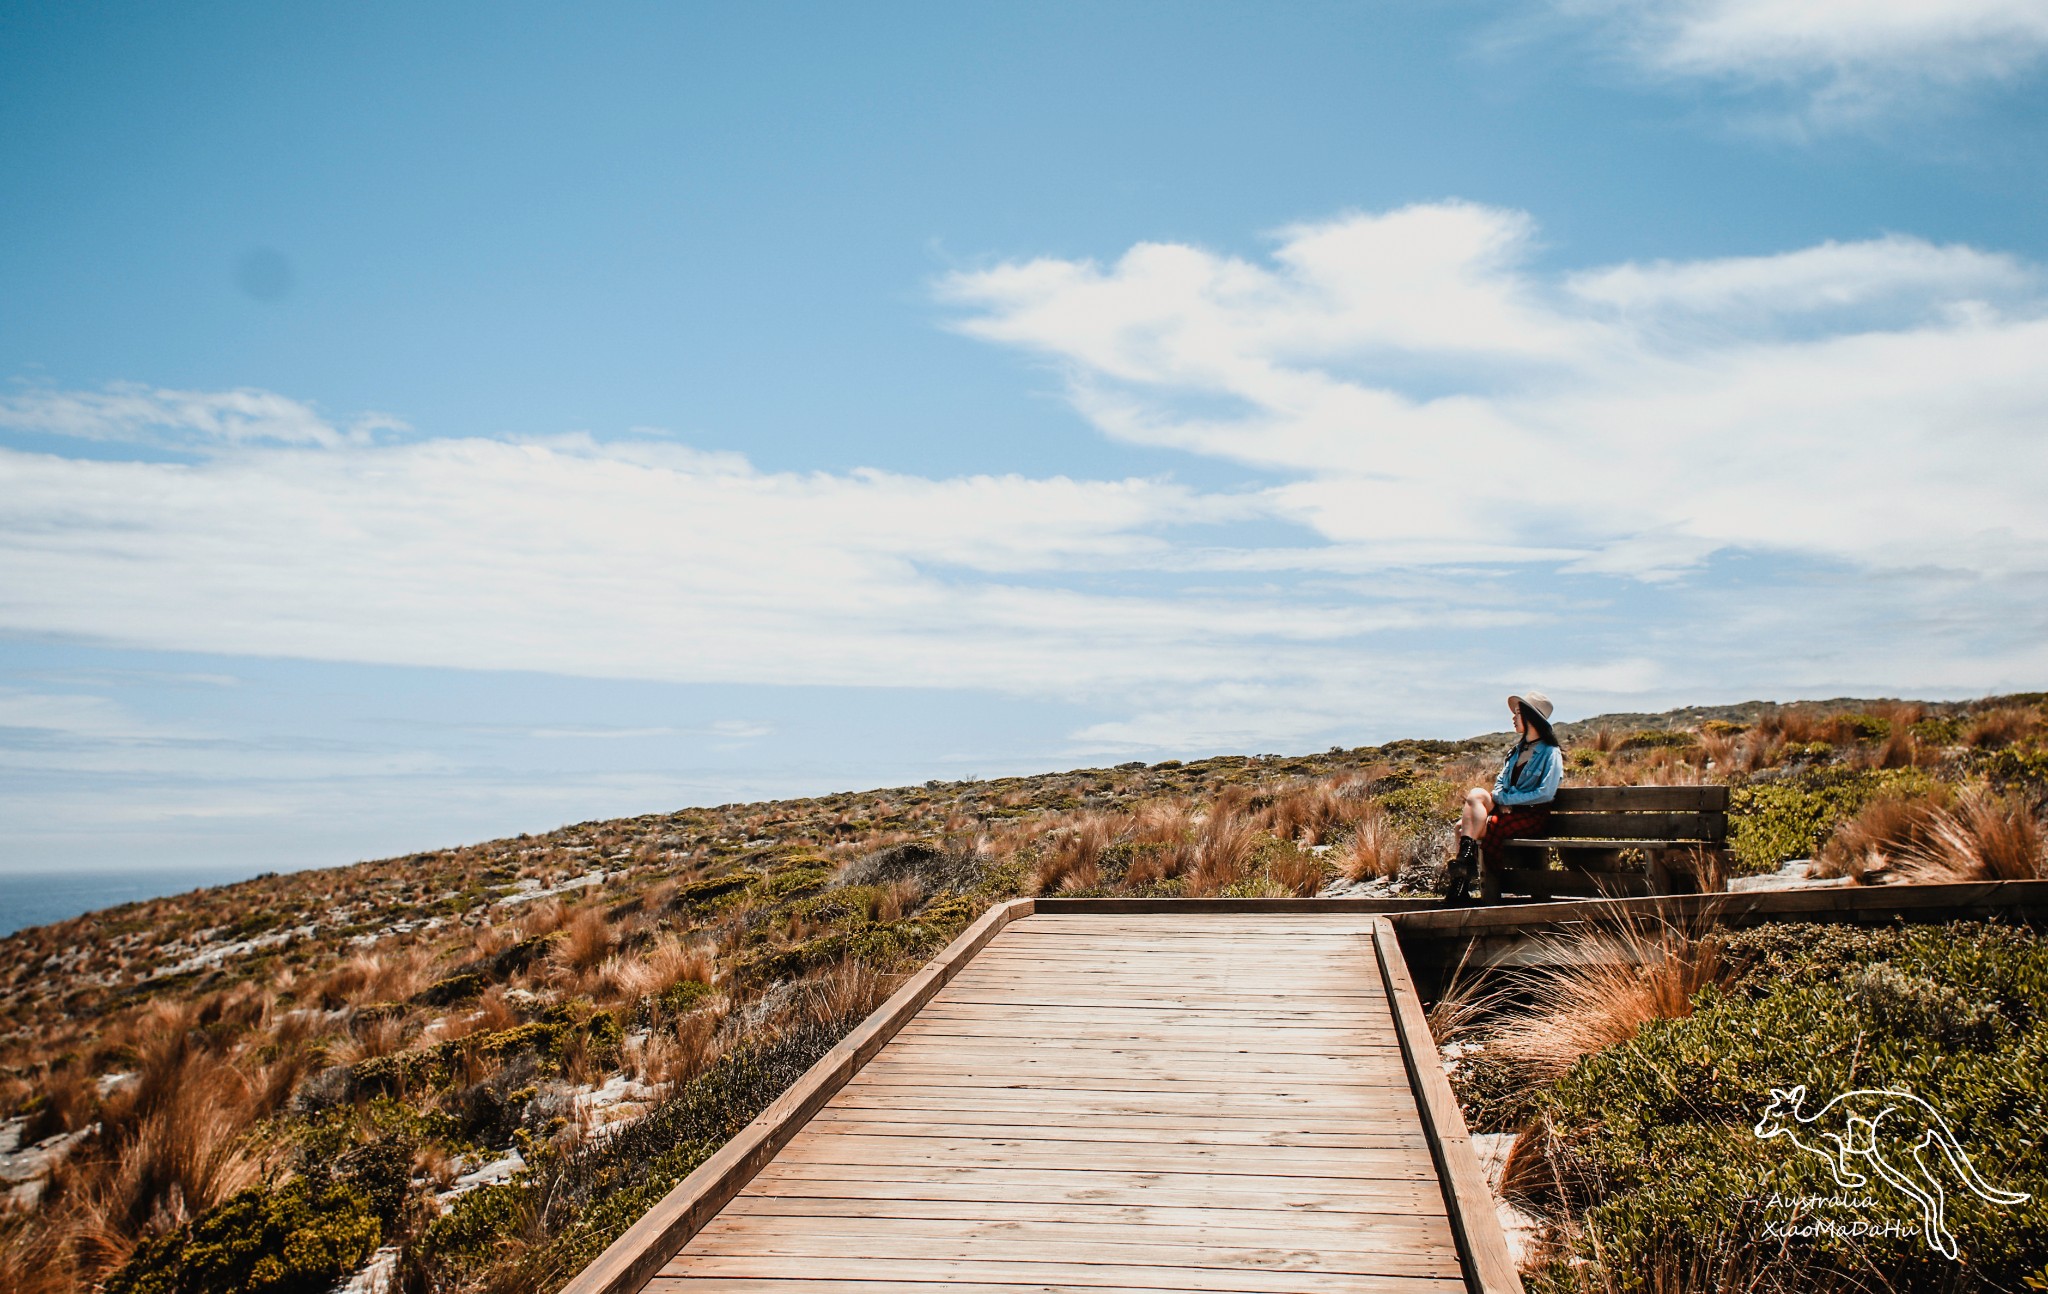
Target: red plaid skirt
{"x":1509,"y":824}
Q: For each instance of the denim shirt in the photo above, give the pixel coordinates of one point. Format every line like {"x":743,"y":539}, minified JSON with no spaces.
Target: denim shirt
{"x":1539,"y":779}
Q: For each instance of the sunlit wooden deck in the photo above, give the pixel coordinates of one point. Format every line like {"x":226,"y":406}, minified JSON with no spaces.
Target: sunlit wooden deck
{"x":1138,"y":1102}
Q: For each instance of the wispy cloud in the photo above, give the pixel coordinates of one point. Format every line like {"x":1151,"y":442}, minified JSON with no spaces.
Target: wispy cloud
{"x":1457,"y":468}
{"x":1845,"y":60}
{"x":134,"y":413}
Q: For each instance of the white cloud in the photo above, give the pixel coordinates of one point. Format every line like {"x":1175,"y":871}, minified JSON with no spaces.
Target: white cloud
{"x":1850,"y":57}
{"x":137,"y":414}
{"x":70,"y":715}
{"x":576,"y":558}
{"x":1465,"y":468}
{"x":1629,"y":419}
{"x":1830,"y":276}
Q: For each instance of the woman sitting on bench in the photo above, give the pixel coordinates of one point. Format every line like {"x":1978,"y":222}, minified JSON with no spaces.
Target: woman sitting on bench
{"x":1519,"y":802}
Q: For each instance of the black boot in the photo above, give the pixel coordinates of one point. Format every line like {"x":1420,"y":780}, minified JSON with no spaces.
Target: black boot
{"x":1460,"y":872}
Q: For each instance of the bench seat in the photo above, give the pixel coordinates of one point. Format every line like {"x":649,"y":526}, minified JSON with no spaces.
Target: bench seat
{"x":1681,"y":830}
{"x":1569,"y":842}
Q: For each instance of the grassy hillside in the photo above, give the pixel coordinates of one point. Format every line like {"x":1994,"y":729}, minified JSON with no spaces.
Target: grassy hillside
{"x":476,"y":1066}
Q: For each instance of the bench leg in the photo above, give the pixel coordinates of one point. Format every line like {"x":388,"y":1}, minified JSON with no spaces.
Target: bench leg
{"x":1658,"y":871}
{"x":1489,"y":877}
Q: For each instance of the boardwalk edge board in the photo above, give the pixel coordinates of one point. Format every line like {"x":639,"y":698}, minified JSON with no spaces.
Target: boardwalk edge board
{"x":631,"y":1261}
{"x":1482,"y":1244}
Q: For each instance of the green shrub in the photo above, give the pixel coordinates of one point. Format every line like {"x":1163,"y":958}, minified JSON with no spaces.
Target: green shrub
{"x":455,"y":988}
{"x":1419,"y":803}
{"x":584,"y":1200}
{"x":798,"y":877}
{"x":2016,"y":765}
{"x":1651,"y":1150}
{"x":1864,"y":727}
{"x":715,"y":892}
{"x":1938,"y":732}
{"x":1770,"y":822}
{"x":290,"y":1240}
{"x":547,"y":1037}
{"x":880,"y":944}
{"x":1653,"y":738}
{"x":682,"y":997}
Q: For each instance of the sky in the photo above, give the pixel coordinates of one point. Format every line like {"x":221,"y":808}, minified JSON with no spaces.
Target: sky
{"x":425,"y":423}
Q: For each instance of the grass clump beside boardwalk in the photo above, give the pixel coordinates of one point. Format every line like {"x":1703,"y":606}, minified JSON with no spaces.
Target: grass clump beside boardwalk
{"x":288,"y":1240}
{"x":1642,"y":1158}
{"x":538,"y":1231}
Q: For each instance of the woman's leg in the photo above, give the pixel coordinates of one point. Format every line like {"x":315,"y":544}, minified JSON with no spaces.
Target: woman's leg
{"x":1478,"y":805}
{"x":1471,"y":826}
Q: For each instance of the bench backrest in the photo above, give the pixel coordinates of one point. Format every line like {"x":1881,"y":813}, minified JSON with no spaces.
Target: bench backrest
{"x":1681,"y":814}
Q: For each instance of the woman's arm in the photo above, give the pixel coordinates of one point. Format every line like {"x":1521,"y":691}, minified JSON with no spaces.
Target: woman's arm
{"x":1546,"y":788}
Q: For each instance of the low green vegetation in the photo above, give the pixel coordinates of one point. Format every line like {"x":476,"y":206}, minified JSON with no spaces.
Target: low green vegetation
{"x":540,"y":1229}
{"x":287,"y":1240}
{"x":1644,"y":1157}
{"x":1771,"y":822}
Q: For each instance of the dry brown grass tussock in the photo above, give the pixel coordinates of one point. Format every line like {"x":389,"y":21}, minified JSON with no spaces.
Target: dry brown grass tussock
{"x":1866,"y":845}
{"x":1899,"y":749}
{"x":897,"y":899}
{"x":1310,"y":814}
{"x":1794,"y":723}
{"x":1297,"y":872}
{"x":680,"y":1054}
{"x":1073,"y":858}
{"x":1378,"y":846}
{"x":675,"y":959}
{"x":1618,"y":981}
{"x":1164,"y":833}
{"x":587,"y":941}
{"x":2001,"y":726}
{"x":1984,"y":837}
{"x":1223,"y":849}
{"x":173,"y":1144}
{"x":1720,"y":751}
{"x":848,"y":989}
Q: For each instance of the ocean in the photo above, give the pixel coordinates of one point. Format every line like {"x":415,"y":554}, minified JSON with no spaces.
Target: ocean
{"x":38,"y":898}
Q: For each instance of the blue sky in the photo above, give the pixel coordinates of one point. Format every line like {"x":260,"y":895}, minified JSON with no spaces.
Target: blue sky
{"x":426,"y":423}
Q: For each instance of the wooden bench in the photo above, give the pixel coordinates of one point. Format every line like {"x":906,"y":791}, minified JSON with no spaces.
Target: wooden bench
{"x":1681,"y":831}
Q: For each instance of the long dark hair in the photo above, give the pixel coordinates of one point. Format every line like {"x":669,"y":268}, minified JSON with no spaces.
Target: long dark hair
{"x":1545,"y":734}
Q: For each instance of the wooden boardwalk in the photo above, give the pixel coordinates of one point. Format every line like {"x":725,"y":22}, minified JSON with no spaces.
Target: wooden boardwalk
{"x":1104,"y":1094}
{"x":1155,"y":1102}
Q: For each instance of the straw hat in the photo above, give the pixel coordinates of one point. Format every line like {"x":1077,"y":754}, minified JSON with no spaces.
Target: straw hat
{"x":1533,"y":700}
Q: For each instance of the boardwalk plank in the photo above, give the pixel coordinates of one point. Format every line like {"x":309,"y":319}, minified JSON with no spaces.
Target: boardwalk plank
{"x":1087,"y":1275}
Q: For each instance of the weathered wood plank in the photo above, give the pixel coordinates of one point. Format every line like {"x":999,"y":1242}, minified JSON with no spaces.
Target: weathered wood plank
{"x":1102,"y":1186}
{"x":1025,"y":1243}
{"x":1091,"y":1275}
{"x":965,"y":1114}
{"x":819,"y":1285}
{"x":1667,"y":799}
{"x":1362,"y":1225}
{"x":1663,"y":827}
{"x":1183,"y":1132}
{"x":840,"y":1146}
